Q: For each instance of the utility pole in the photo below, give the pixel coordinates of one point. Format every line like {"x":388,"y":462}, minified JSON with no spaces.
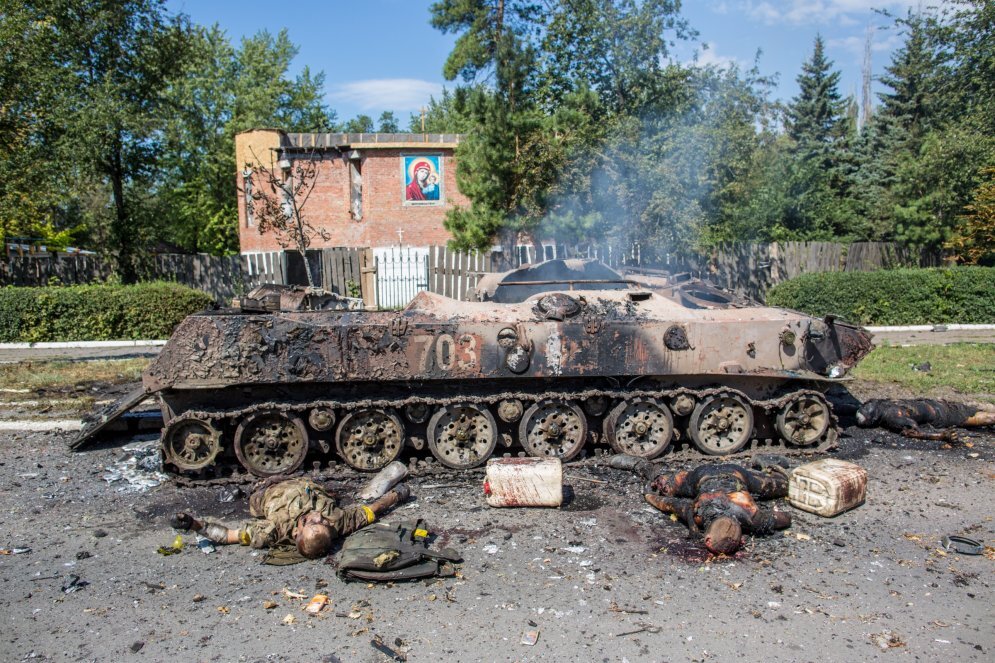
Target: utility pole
{"x":866,"y":110}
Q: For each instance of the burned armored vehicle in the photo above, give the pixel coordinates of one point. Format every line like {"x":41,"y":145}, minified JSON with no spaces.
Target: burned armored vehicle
{"x":550,"y":358}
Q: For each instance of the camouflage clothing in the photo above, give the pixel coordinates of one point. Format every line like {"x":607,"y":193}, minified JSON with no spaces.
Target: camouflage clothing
{"x":278,"y":507}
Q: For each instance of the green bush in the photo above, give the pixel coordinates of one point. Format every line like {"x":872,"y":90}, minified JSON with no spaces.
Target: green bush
{"x":96,"y":312}
{"x":894,"y":297}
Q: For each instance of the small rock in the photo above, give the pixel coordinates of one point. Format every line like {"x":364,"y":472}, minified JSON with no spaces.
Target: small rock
{"x":136,"y":646}
{"x":197,"y":598}
{"x":99,"y":533}
{"x":83,"y":554}
{"x":839,"y":543}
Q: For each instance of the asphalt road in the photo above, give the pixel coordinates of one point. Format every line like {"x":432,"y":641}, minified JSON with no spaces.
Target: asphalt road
{"x":605,"y":578}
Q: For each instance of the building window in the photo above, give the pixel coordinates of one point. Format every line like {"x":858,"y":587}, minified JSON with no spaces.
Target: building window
{"x":356,"y":185}
{"x":247,"y":190}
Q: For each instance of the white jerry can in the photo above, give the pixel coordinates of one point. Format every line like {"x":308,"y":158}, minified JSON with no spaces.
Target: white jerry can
{"x":827,"y":487}
{"x":524,"y":482}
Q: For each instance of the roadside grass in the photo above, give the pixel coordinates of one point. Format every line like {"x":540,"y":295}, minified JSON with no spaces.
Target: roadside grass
{"x":968,"y":368}
{"x":19,"y":381}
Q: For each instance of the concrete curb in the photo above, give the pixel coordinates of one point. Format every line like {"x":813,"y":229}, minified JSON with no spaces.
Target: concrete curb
{"x":930,"y":328}
{"x":62,"y":345}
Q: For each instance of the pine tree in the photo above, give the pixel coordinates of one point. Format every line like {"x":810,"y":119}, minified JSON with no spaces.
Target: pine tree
{"x":820,"y":180}
{"x":816,"y":115}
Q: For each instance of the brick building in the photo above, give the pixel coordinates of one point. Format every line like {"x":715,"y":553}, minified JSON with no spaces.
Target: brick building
{"x":371,"y":190}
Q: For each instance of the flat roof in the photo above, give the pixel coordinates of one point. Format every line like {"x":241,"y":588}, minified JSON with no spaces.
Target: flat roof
{"x":350,"y":141}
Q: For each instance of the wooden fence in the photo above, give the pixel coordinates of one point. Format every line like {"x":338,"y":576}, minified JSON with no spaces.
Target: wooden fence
{"x":752,"y":269}
{"x":749,"y":269}
{"x":455,"y":273}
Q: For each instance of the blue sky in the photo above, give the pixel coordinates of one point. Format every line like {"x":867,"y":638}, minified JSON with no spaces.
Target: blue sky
{"x":383,"y":55}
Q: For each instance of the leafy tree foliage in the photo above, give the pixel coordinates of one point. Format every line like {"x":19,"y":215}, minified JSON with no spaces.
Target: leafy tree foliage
{"x":361,"y":124}
{"x":117,"y":122}
{"x":387,"y":123}
{"x":975,"y":238}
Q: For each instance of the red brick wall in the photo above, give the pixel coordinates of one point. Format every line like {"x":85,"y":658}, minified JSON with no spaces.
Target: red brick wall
{"x":383,"y":210}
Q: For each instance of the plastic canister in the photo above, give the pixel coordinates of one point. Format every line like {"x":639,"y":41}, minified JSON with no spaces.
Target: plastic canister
{"x":827,"y":487}
{"x":524,"y":482}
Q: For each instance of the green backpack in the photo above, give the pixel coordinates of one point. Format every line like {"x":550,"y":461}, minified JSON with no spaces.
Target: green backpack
{"x":393,"y":551}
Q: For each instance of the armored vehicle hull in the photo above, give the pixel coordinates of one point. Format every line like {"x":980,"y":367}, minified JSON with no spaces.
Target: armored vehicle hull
{"x":579,"y":361}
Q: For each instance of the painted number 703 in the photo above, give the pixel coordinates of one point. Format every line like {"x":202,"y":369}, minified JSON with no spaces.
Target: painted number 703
{"x":446,"y":352}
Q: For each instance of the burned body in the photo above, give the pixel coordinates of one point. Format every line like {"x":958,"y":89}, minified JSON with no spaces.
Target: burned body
{"x":717,"y":500}
{"x":909,"y":416}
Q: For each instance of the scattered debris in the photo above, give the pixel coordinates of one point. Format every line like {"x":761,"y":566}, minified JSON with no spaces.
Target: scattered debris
{"x":577,"y":478}
{"x":886,"y":640}
{"x":230,"y":494}
{"x":205,"y":545}
{"x":531,"y":637}
{"x":614,"y":607}
{"x":73,"y":583}
{"x":223,"y":609}
{"x":394,"y":655}
{"x":316,"y":604}
{"x":270,"y":605}
{"x":173,"y":548}
{"x":962,"y":545}
{"x":289,"y":619}
{"x":16,"y":551}
{"x":141,"y":470}
{"x":293,"y":595}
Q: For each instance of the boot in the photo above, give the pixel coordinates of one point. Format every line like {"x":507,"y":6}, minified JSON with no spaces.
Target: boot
{"x":383,"y":481}
{"x":635,"y":464}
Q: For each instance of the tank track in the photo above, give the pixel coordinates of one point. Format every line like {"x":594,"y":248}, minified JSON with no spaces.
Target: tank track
{"x":681,"y":449}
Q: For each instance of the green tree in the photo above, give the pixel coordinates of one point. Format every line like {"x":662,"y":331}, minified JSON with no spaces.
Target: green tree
{"x":819,"y":204}
{"x":447,"y":114}
{"x":816,"y":115}
{"x":215,"y":96}
{"x":361,"y":124}
{"x":102,"y":66}
{"x":266,"y":96}
{"x":615,"y":47}
{"x":974,"y":239}
{"x":388,"y":123}
{"x":32,"y":201}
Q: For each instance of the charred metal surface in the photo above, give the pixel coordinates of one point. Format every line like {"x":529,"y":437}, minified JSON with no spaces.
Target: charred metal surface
{"x":336,"y":377}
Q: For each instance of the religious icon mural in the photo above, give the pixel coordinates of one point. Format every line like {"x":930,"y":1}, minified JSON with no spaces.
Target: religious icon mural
{"x":422,"y":176}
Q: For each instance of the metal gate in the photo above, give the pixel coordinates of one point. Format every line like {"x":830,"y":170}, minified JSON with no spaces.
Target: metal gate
{"x":402,"y":272}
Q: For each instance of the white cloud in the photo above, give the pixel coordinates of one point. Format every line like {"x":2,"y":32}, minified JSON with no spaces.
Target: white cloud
{"x":397,"y":94}
{"x":880,"y":43}
{"x":798,"y":12}
{"x":709,"y":56}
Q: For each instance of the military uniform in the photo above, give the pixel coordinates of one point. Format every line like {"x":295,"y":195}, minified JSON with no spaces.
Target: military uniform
{"x":712,"y":491}
{"x":278,"y":507}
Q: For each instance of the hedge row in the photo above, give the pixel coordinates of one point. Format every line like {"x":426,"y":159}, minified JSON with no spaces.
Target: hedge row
{"x":894,"y":297}
{"x":96,"y":312}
